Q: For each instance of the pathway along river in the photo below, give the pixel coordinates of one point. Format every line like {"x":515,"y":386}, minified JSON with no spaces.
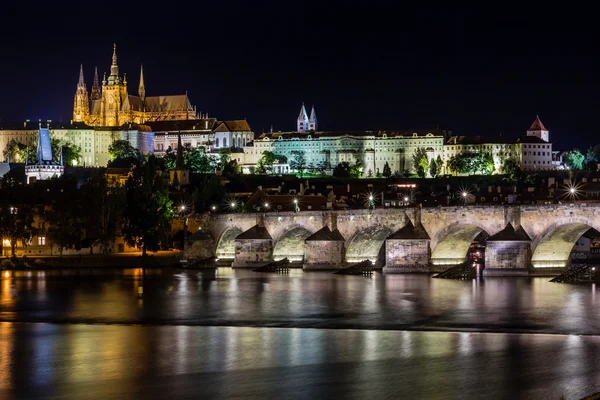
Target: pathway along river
{"x":86,"y":334}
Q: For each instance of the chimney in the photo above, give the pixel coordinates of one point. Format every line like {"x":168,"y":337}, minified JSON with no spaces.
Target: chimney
{"x":489,"y":188}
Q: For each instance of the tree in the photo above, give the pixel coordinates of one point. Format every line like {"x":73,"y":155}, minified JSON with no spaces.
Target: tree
{"x":356,"y":171}
{"x":299,"y":161}
{"x":342,"y":170}
{"x":440,"y":164}
{"x":64,"y":217}
{"x":511,"y":168}
{"x":104,"y":210}
{"x":210,"y":194}
{"x":18,"y":152}
{"x":198,"y":161}
{"x":13,"y":178}
{"x":369,"y":173}
{"x":169,"y":159}
{"x":420,"y":161}
{"x":265,"y":163}
{"x":433,"y":168}
{"x":16,"y":224}
{"x":574,"y":159}
{"x":71,"y":154}
{"x":224,"y":158}
{"x":123,"y":154}
{"x":148,"y":208}
{"x":322,"y":167}
{"x":387,"y":171}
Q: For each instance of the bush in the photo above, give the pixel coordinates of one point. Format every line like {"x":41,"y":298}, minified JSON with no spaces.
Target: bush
{"x":7,"y":264}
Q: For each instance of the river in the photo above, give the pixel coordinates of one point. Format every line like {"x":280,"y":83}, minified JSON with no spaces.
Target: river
{"x":240,"y":334}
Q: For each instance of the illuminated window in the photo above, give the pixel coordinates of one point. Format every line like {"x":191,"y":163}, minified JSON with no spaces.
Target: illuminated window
{"x":41,"y":240}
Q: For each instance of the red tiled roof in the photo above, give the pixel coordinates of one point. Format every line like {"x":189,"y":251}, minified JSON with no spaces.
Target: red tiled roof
{"x":537,"y":125}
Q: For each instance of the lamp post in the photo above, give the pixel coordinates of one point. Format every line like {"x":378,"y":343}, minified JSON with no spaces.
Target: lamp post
{"x":371,"y":202}
{"x":185,"y":223}
{"x":296,"y":205}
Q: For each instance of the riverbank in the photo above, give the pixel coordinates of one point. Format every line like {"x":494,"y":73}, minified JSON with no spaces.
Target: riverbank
{"x":119,"y":260}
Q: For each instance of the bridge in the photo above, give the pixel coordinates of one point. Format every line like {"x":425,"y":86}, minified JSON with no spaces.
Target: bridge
{"x":520,"y":238}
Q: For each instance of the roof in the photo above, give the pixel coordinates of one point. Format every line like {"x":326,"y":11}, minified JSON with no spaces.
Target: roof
{"x":35,"y":125}
{"x":537,"y":125}
{"x":44,"y":149}
{"x":509,"y":234}
{"x":468,"y":140}
{"x":256,"y":232}
{"x":410,"y":231}
{"x":324,"y":134}
{"x":325,"y":234}
{"x":237,"y":125}
{"x":4,"y":168}
{"x":96,"y":107}
{"x":183,"y":125}
{"x":167,"y":103}
{"x":132,"y":103}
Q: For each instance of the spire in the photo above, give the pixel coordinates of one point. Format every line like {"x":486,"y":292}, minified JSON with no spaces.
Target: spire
{"x":179,"y":159}
{"x":81,"y":81}
{"x":142,"y":88}
{"x":114,"y":78}
{"x":312,"y":122}
{"x":537,"y":125}
{"x":303,"y":114}
{"x":96,"y":91}
{"x":302,"y":123}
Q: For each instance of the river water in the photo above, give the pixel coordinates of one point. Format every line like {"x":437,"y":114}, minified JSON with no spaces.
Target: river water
{"x":241,"y":334}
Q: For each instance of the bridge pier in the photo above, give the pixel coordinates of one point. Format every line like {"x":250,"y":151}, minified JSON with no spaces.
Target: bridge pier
{"x":324,"y":249}
{"x":253,"y":247}
{"x":508,"y":253}
{"x":407,"y":250}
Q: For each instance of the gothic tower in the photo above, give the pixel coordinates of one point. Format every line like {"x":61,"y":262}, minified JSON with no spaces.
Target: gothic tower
{"x":114,"y":92}
{"x":142,"y":88}
{"x":302,"y":124}
{"x":538,"y":129}
{"x":96,"y":90}
{"x":81,"y":105}
{"x":313,"y":125}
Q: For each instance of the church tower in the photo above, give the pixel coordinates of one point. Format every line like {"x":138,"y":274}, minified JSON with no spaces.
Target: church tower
{"x":96,"y":90}
{"x":142,"y":88}
{"x":538,"y":129}
{"x":313,"y":125}
{"x":114,"y":92}
{"x":81,"y":105}
{"x":302,"y":125}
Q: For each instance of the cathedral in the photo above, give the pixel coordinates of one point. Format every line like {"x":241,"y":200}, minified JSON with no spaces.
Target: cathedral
{"x":112,"y":105}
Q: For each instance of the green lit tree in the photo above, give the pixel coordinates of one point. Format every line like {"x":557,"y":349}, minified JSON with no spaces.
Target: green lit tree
{"x":574,"y":159}
{"x":123,"y":154}
{"x":420,"y":162}
{"x":299,"y":161}
{"x":148,"y":208}
{"x":265,"y":163}
{"x":434,"y":170}
{"x":71,"y":153}
{"x":440,"y":164}
{"x":18,"y":152}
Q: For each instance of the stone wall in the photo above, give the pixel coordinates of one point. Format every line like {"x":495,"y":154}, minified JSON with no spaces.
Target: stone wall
{"x":507,"y":258}
{"x":252,"y":252}
{"x":200,"y":249}
{"x":321,"y":254}
{"x":406,"y":255}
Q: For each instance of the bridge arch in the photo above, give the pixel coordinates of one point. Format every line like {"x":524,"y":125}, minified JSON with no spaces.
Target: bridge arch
{"x":451,"y":244}
{"x":553,"y":247}
{"x":368,"y":244}
{"x":291,"y":244}
{"x":226,"y":244}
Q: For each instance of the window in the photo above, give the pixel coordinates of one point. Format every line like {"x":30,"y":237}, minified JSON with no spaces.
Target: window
{"x":41,"y":240}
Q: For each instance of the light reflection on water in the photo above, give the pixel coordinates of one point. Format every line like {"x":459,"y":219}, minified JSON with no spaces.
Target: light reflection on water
{"x":133,"y":361}
{"x":143,"y":361}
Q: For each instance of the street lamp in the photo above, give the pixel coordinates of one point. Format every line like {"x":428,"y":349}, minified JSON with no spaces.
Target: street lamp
{"x":296,"y":205}
{"x":266,"y":206}
{"x":214,"y":208}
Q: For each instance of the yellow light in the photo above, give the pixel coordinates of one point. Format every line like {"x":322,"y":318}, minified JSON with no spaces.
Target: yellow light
{"x":6,"y":274}
{"x":6,"y":242}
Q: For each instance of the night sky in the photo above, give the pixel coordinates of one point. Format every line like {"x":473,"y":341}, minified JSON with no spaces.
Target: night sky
{"x":479,"y":71}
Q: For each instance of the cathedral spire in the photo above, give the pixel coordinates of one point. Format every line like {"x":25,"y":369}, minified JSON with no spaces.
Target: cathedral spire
{"x":114,"y":78}
{"x":302,"y":123}
{"x":81,"y":81}
{"x":142,"y":88}
{"x":96,"y":91}
{"x":312,"y":122}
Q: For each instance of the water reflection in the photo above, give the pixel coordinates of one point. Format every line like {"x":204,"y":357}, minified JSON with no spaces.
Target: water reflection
{"x":298,"y":299}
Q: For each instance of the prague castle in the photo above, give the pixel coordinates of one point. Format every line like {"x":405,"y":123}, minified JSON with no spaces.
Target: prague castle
{"x":112,"y":105}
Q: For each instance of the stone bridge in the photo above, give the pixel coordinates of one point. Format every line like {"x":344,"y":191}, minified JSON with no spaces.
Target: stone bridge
{"x":522,"y":238}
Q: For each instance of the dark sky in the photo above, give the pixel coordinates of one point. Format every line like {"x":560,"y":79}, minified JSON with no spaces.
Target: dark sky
{"x":476,"y":71}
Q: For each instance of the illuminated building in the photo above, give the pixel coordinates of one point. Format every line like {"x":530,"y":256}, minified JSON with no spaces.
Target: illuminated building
{"x":44,"y":167}
{"x":111,"y":104}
